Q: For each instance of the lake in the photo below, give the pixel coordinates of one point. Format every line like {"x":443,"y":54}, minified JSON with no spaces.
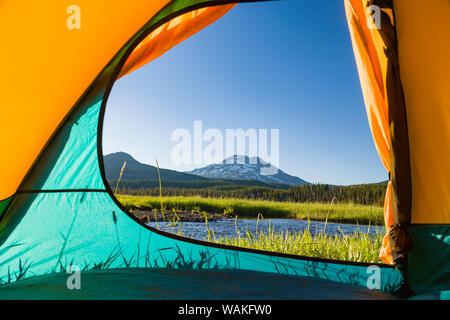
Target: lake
{"x":227,"y":227}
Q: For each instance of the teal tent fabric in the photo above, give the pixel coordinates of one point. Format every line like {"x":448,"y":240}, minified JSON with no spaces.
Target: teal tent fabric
{"x":429,"y":260}
{"x":71,"y":162}
{"x":141,"y":283}
{"x":73,"y":220}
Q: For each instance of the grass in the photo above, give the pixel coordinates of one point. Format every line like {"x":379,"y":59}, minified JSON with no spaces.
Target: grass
{"x":358,"y":247}
{"x":334,"y":212}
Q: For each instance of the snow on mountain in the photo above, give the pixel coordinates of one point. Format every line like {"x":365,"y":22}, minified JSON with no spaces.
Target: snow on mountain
{"x":247,"y":168}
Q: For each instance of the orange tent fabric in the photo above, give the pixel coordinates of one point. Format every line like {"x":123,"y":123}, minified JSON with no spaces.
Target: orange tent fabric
{"x":371,"y":63}
{"x":424,"y":62}
{"x":170,"y":34}
{"x":49,"y":66}
{"x":423,"y":29}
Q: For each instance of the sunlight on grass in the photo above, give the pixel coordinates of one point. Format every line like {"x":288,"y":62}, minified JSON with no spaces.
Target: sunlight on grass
{"x":358,"y":247}
{"x":336,"y":212}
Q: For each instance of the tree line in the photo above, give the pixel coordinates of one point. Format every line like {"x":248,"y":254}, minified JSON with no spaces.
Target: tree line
{"x":365,"y":194}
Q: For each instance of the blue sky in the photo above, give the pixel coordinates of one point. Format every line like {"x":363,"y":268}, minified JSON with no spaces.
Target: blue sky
{"x":284,"y":65}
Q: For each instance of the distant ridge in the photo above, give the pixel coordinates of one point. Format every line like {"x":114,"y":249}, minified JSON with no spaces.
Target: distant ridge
{"x":136,"y":170}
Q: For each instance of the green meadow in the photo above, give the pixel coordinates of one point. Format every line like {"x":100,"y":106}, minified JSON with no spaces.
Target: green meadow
{"x":357,"y":247}
{"x":332,"y":212}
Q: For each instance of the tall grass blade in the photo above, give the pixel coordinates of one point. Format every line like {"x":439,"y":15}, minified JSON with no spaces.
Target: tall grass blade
{"x":120,"y":176}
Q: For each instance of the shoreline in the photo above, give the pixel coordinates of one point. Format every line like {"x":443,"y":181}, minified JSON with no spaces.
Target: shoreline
{"x":193,"y":209}
{"x":147,"y":216}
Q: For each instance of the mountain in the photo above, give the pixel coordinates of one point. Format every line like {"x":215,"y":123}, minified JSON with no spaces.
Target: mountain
{"x":244,"y":171}
{"x":246,"y":168}
{"x":138,"y":171}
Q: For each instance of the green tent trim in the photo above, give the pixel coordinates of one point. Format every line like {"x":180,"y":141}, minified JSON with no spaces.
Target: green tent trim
{"x":4,"y":204}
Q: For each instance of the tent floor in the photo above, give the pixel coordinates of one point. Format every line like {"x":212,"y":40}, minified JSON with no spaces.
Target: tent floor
{"x":162,"y":284}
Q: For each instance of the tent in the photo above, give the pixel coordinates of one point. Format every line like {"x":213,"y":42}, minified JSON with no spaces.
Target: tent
{"x":57,"y":210}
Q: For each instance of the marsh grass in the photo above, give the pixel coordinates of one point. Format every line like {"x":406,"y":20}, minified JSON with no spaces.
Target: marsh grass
{"x":332,"y":212}
{"x":120,"y":176}
{"x":359,"y":246}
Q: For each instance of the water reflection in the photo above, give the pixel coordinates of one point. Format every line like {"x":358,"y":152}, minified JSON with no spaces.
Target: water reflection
{"x":231,"y":227}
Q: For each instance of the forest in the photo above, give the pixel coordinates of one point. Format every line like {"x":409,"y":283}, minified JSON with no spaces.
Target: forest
{"x":364,"y":194}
